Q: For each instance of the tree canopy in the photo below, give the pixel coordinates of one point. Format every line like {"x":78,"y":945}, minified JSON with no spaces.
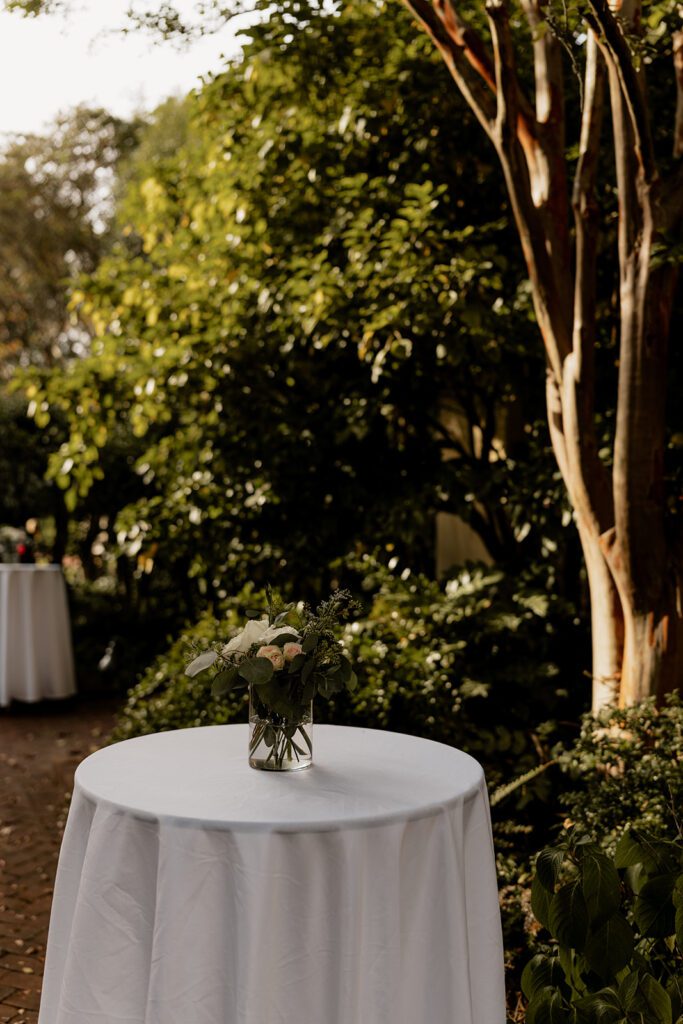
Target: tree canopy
{"x":314,"y":299}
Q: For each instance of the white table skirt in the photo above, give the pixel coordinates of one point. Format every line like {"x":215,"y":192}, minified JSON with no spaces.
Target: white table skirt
{"x":36,"y":658}
{"x":193,"y":889}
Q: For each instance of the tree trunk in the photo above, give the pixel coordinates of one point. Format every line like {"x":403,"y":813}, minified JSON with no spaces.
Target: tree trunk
{"x":633,"y":566}
{"x":607,"y":624}
{"x":653,"y":652}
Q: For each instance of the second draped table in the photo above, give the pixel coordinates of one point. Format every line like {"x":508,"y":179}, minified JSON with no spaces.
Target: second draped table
{"x":36,"y":659}
{"x":193,"y":889}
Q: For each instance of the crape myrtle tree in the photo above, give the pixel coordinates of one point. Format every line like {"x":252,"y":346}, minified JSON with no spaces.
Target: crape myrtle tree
{"x":631,"y":546}
{"x":560,"y":161}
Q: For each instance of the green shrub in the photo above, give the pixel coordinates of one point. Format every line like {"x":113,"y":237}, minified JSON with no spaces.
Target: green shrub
{"x":165,"y":698}
{"x":627,"y":770}
{"x":474,"y":664}
{"x":617,"y":926}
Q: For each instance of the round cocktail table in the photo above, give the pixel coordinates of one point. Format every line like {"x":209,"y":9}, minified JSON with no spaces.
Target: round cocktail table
{"x":193,"y":889}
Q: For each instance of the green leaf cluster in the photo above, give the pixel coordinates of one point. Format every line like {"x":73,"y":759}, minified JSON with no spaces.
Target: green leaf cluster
{"x":287,"y":690}
{"x":313,"y":298}
{"x":617,"y":926}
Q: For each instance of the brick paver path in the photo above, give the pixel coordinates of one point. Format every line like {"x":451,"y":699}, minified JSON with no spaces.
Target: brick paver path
{"x":40,"y":747}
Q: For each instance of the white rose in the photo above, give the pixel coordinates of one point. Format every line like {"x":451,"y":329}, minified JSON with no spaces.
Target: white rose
{"x":253,"y":633}
{"x":274,"y":631}
{"x":273,"y":654}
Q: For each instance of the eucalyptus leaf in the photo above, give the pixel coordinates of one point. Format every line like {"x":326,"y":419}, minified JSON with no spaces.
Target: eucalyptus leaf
{"x":307,"y":669}
{"x":256,"y":670}
{"x":201,"y":663}
{"x":285,"y":638}
{"x":224,"y":681}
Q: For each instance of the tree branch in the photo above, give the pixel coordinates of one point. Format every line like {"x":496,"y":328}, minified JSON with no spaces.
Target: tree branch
{"x":506,"y":74}
{"x":586,"y":212}
{"x":678,"y":67}
{"x":453,"y":50}
{"x":616,"y":49}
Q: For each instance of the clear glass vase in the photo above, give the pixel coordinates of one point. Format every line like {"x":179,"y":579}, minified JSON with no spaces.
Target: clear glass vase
{"x":279,"y":742}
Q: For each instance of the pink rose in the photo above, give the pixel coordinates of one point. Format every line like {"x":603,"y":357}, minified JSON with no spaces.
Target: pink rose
{"x":273,"y":654}
{"x":290,"y":651}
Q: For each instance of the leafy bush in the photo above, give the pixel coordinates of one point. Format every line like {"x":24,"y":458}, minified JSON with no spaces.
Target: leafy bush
{"x":474,"y":664}
{"x":165,"y":698}
{"x":617,"y":925}
{"x":627,"y":767}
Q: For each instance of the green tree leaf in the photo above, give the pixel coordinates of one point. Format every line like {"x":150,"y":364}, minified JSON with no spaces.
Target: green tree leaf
{"x":610,"y":947}
{"x":548,"y":865}
{"x":653,"y":910}
{"x":600,"y":884}
{"x":540,"y":901}
{"x":541,"y":972}
{"x":656,"y":1000}
{"x":568,"y":916}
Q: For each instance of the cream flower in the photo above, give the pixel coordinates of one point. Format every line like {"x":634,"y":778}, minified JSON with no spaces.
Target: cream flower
{"x":291,"y":650}
{"x":253,"y":633}
{"x":274,"y":631}
{"x":273,"y":654}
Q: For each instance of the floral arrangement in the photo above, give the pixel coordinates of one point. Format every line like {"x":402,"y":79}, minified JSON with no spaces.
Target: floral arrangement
{"x":286,"y":657}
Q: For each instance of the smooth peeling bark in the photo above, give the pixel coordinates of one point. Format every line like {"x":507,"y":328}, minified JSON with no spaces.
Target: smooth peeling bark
{"x":633,"y":568}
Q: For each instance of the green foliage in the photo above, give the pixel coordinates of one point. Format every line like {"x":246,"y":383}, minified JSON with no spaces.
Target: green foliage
{"x":314,"y":298}
{"x":166,"y":698}
{"x":53,"y":219}
{"x":475,"y":663}
{"x":627,"y":771}
{"x":617,"y":926}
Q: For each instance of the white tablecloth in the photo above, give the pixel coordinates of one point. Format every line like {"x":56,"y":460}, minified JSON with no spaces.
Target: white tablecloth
{"x":36,"y":659}
{"x":193,"y":889}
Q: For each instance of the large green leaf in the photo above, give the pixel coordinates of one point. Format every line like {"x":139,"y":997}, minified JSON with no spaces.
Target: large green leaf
{"x":540,"y":901}
{"x":568,"y":916}
{"x":653,"y":910}
{"x":547,"y":1007}
{"x":599,"y":1008}
{"x":548,"y":865}
{"x":677,"y":898}
{"x":600,"y":884}
{"x":655,"y":998}
{"x":541,"y":972}
{"x":610,"y":947}
{"x":628,"y":851}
